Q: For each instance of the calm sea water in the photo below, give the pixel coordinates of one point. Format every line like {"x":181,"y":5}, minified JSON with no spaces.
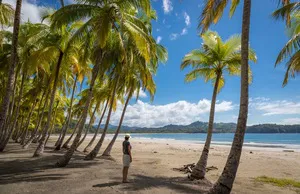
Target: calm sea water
{"x":278,"y":140}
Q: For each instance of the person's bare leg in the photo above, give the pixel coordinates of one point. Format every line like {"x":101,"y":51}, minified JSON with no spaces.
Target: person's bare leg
{"x":125,"y":173}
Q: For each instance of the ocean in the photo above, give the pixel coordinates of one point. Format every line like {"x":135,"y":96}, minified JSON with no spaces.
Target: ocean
{"x":274,"y":140}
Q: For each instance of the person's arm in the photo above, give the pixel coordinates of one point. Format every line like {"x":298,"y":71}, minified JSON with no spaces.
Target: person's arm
{"x":129,"y":152}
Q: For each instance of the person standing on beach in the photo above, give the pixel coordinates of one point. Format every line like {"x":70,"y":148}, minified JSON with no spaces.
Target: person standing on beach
{"x":127,"y":158}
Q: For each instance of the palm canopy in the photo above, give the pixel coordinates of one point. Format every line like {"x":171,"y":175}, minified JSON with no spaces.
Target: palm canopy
{"x":103,"y":16}
{"x":215,"y":58}
{"x":213,"y":11}
{"x":291,"y":49}
{"x":6,"y":14}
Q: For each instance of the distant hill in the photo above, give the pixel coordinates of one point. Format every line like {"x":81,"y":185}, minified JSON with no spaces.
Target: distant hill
{"x":200,"y":127}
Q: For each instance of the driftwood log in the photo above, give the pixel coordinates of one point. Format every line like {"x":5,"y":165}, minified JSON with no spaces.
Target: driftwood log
{"x":189,"y":167}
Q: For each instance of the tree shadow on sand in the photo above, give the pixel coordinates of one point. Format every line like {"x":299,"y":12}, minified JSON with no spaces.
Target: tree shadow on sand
{"x":142,"y":182}
{"x":30,"y":169}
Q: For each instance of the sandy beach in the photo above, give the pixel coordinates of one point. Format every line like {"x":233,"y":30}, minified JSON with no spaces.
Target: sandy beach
{"x":151,"y":170}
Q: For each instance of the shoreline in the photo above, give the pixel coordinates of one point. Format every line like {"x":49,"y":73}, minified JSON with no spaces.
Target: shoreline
{"x":226,"y":144}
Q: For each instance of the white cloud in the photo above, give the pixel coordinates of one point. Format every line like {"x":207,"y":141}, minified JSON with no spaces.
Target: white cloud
{"x":30,"y":11}
{"x":167,"y":6}
{"x":142,"y":93}
{"x":143,"y":114}
{"x":159,"y":38}
{"x":187,"y":19}
{"x":157,"y":30}
{"x":184,"y":31}
{"x":291,"y":121}
{"x":278,"y":107}
{"x":174,"y":36}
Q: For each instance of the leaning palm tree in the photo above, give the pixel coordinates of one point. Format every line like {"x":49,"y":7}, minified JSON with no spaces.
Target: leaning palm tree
{"x":103,"y":18}
{"x":102,"y":95}
{"x":138,"y":74}
{"x":213,"y":61}
{"x":292,"y":48}
{"x":11,"y":76}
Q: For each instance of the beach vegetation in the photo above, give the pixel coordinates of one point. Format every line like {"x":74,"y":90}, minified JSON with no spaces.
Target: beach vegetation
{"x":280,"y":182}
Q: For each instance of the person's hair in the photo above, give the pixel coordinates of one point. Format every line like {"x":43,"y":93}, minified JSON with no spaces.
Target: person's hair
{"x":126,"y":138}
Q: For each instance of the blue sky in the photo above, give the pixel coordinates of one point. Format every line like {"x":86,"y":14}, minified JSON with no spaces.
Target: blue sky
{"x":177,"y":102}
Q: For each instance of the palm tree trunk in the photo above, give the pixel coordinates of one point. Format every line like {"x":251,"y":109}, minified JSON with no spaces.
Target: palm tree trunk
{"x":40,"y":149}
{"x":19,"y":134}
{"x":60,"y":134}
{"x":200,"y":168}
{"x":88,"y":128}
{"x":225,"y":181}
{"x":15,"y":133}
{"x":39,"y":121}
{"x":111,"y":144}
{"x":66,"y":126}
{"x":53,"y":123}
{"x":86,"y":149}
{"x":66,"y":144}
{"x":37,"y":139}
{"x":66,"y":158}
{"x":11,"y":70}
{"x":62,"y":3}
{"x":96,"y":149}
{"x":10,"y":128}
{"x":28,"y":121}
{"x":11,"y":108}
{"x":15,"y":117}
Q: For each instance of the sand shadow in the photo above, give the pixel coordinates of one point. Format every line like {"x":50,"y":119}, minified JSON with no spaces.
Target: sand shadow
{"x":14,"y":170}
{"x":177,"y":184}
{"x":108,"y":184}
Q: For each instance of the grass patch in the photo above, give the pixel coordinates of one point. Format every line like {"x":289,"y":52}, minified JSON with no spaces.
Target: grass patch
{"x":278,"y":182}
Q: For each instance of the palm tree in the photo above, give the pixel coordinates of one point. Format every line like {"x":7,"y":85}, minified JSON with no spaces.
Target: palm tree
{"x":39,"y":120}
{"x":212,"y":12}
{"x":11,"y":75}
{"x":92,"y":120}
{"x":96,"y":149}
{"x":79,"y":61}
{"x":213,"y":61}
{"x":87,"y":148}
{"x":291,"y":49}
{"x":59,"y":49}
{"x":103,"y":18}
{"x":137,"y":74}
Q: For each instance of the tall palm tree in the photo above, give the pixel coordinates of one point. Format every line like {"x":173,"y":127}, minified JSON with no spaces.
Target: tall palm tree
{"x":11,"y":74}
{"x":137,"y":74}
{"x":213,"y":61}
{"x":59,"y":49}
{"x":212,"y":12}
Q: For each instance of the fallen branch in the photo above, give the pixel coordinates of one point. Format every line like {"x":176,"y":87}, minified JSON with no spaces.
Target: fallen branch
{"x":188,"y":168}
